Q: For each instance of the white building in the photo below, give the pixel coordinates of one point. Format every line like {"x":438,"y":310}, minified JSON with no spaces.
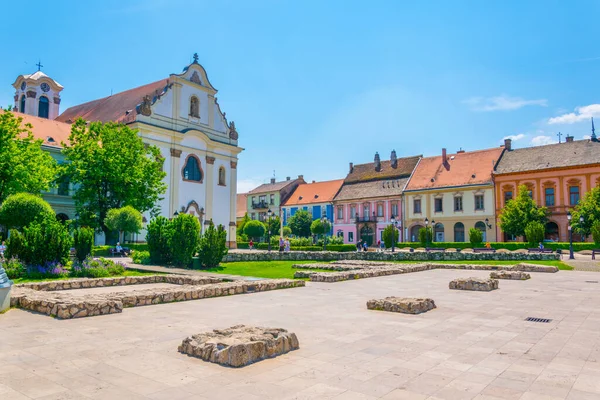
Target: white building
{"x":181,"y":116}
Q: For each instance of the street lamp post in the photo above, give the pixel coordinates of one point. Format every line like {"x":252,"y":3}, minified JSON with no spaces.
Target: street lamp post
{"x":426,"y":232}
{"x":269,"y":214}
{"x":324,"y":222}
{"x":569,"y":217}
{"x":394,"y":224}
{"x":432,"y":231}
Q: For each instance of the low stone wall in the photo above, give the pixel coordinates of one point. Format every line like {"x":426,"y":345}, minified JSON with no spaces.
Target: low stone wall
{"x":84,"y":283}
{"x":247,"y":256}
{"x":476,"y":284}
{"x":404,"y":305}
{"x":513,"y":275}
{"x":239,"y":345}
{"x":365,"y":273}
{"x":65,"y":305}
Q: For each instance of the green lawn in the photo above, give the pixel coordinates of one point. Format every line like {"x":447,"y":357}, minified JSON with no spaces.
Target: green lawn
{"x":261,"y":269}
{"x":126,"y":273}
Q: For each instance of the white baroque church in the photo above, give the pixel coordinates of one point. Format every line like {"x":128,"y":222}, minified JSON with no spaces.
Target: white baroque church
{"x":180,"y":115}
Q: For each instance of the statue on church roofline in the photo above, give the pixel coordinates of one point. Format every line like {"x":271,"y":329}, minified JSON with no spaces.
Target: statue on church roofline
{"x":232,"y":131}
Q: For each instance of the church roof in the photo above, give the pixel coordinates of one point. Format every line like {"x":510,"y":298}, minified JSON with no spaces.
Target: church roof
{"x":120,"y":107}
{"x":314,"y":193}
{"x":52,"y":132}
{"x":36,"y":76}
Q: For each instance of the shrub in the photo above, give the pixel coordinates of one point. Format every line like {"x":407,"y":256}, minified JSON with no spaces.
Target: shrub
{"x":83,"y":241}
{"x":184,"y":239}
{"x":97,"y":268}
{"x":141,"y":257}
{"x":158,"y":237}
{"x":300,"y":223}
{"x":213,"y":246}
{"x":254,"y":229}
{"x":475,"y":237}
{"x":14,"y":268}
{"x":41,"y":243}
{"x":45,"y":271}
{"x":318,"y":228}
{"x":425,"y":236}
{"x":534,"y":231}
{"x":390,"y":235}
{"x":15,"y":245}
{"x":596,"y":232}
{"x":21,"y":209}
{"x":124,"y":219}
{"x":286,"y":231}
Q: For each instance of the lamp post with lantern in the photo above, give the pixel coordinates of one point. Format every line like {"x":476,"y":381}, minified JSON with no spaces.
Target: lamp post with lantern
{"x":426,"y":232}
{"x":324,"y":223}
{"x":569,"y":217}
{"x":394,"y":222}
{"x":269,"y":215}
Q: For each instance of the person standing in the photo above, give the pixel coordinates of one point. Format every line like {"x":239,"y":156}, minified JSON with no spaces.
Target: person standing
{"x":281,"y":243}
{"x":2,"y":249}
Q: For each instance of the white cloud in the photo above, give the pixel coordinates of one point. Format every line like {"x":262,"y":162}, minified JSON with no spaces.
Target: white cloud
{"x":514,"y":138}
{"x":246,"y":185}
{"x":581,"y":114}
{"x":587,"y":137}
{"x":542,"y":140}
{"x":502,"y":103}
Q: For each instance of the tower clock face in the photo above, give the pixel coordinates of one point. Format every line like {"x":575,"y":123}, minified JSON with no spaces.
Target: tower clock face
{"x":45,"y":87}
{"x":23,"y":85}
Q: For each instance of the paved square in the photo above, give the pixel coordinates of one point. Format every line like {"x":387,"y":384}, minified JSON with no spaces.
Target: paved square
{"x":474,"y":345}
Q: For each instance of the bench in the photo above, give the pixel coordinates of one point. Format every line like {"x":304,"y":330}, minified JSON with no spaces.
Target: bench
{"x":430,"y":249}
{"x":594,"y":251}
{"x":484,"y":250}
{"x":113,"y":252}
{"x":536,"y":250}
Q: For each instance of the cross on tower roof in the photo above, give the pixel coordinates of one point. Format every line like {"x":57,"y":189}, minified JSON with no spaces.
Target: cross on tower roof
{"x":594,"y":138}
{"x":196,"y":58}
{"x":39,"y":65}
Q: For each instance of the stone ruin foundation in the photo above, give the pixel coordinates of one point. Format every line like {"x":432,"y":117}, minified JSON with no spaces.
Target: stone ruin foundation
{"x":514,"y":275}
{"x":239,"y":345}
{"x":476,"y":284}
{"x":406,"y":305}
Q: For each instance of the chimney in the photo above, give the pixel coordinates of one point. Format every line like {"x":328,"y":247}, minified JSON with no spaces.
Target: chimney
{"x":508,"y":144}
{"x":301,"y":177}
{"x":272,"y":180}
{"x":287,"y":178}
{"x":460,"y":151}
{"x":569,"y":139}
{"x":394,"y":159}
{"x":377,"y":162}
{"x":314,"y":181}
{"x":351,"y":167}
{"x":445,"y":159}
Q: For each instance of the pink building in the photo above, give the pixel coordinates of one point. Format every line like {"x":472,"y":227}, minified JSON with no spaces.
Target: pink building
{"x":370,"y":196}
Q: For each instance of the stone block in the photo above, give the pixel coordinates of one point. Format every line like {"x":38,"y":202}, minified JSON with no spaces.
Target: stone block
{"x":406,"y":305}
{"x":526,"y":267}
{"x":514,"y":275}
{"x":239,"y":345}
{"x":477,"y":284}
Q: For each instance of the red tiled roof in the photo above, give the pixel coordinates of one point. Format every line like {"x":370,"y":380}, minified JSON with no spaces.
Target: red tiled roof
{"x":367,"y":172}
{"x":241,"y":205}
{"x":52,"y":132}
{"x":317,"y":192}
{"x":120,"y":107}
{"x":468,"y":168}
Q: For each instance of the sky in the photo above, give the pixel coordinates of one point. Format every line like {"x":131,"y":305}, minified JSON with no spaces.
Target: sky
{"x":313,"y":85}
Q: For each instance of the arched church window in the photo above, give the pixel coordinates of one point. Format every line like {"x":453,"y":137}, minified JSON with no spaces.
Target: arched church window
{"x":22,"y":105}
{"x":195,"y":107}
{"x":43,"y":107}
{"x":222,"y":176}
{"x":192,"y":170}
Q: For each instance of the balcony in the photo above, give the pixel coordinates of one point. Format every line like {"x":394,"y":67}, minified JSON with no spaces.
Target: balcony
{"x":370,"y":218}
{"x":260,"y":205}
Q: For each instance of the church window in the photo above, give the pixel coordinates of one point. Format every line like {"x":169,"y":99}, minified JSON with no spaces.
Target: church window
{"x":43,"y":107}
{"x":22,"y":105}
{"x":222,"y":176}
{"x":63,"y":186}
{"x":195,"y":107}
{"x":192,"y":170}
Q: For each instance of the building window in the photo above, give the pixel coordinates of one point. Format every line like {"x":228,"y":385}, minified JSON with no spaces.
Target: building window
{"x":222,"y":176}
{"x":482,"y":228}
{"x":574,"y":195}
{"x":417,"y":206}
{"x":272,"y":199}
{"x":479,"y":203}
{"x":458,"y":203}
{"x":549,"y":194}
{"x":365,"y":211}
{"x":459,"y":232}
{"x":63,"y":187}
{"x":350,"y":237}
{"x":43,"y":107}
{"x":395,"y":210}
{"x":262,"y":200}
{"x":340,"y":213}
{"x":195,"y":107}
{"x":507,"y":196}
{"x":191,"y":170}
{"x":340,"y":234}
{"x":353,"y":212}
{"x":22,"y":105}
{"x":380,"y":210}
{"x":438,"y":205}
{"x":253,"y":216}
{"x":253,"y":200}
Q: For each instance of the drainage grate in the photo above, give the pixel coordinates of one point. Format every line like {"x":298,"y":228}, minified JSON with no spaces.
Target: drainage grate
{"x":532,"y":319}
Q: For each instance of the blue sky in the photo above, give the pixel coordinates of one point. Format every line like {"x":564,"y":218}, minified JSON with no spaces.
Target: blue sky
{"x":314,"y":85}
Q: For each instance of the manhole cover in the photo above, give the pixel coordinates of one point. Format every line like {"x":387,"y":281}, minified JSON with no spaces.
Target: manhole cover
{"x":533,"y":319}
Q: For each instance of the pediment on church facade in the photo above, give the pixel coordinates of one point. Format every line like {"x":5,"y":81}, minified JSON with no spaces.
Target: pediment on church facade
{"x":196,"y":74}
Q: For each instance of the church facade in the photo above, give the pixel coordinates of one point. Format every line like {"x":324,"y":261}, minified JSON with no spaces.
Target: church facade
{"x":181,"y":116}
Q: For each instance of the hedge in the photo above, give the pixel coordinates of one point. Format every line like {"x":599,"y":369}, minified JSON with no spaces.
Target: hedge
{"x":330,"y":247}
{"x":102,"y":251}
{"x":577,"y":246}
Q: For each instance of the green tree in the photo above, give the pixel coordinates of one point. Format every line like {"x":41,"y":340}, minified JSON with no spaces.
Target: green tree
{"x":24,"y":166}
{"x":318,"y":228}
{"x":184,"y":239}
{"x":390,"y":235}
{"x":158,"y":238}
{"x":534,"y":231}
{"x":254,"y":229}
{"x":243,"y":223}
{"x":596,"y":232}
{"x":475,"y":237}
{"x":112,"y":168}
{"x":589,"y":209}
{"x":83,"y":241}
{"x":300,"y":223}
{"x":519,"y":212}
{"x":213,"y":246}
{"x":41,"y":243}
{"x":287,"y":231}
{"x":124,"y":220}
{"x":425,"y":236}
{"x":21,"y":209}
{"x":273,"y":225}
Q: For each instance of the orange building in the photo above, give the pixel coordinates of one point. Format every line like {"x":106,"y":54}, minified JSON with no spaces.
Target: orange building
{"x":556,"y":175}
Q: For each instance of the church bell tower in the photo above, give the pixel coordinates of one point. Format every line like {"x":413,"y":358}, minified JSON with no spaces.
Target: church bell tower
{"x":37,"y":94}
